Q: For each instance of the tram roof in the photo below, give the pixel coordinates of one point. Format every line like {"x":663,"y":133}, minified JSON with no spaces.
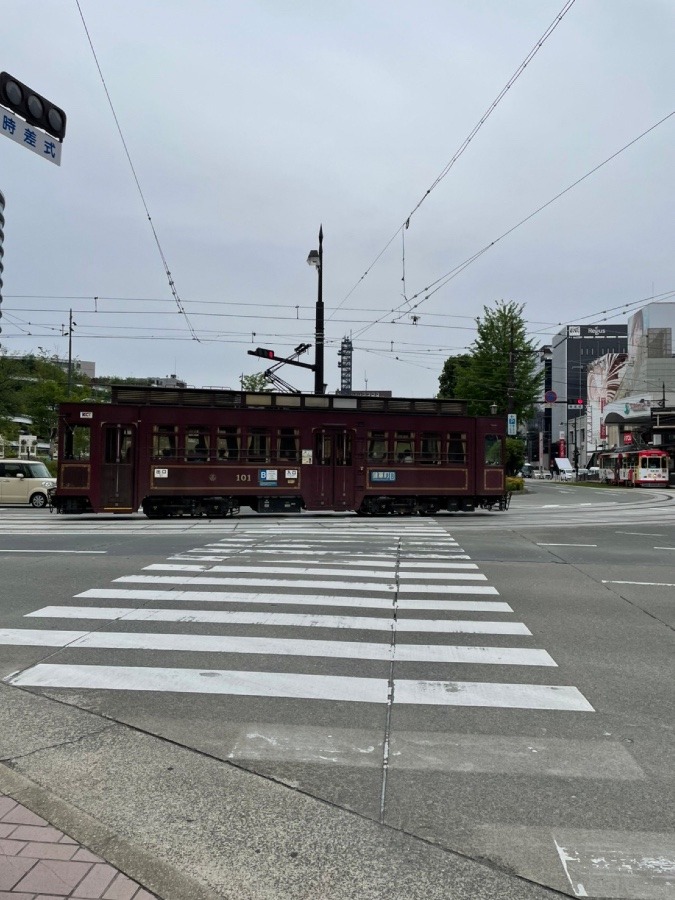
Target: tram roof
{"x":130,"y":395}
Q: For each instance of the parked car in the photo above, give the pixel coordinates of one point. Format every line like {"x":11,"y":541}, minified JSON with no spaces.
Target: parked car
{"x":25,"y":482}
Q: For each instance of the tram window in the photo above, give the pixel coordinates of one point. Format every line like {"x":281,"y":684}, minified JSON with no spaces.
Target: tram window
{"x":323,"y":445}
{"x":229,"y":442}
{"x":197,"y":443}
{"x":288,"y":445}
{"x":258,"y":444}
{"x":652,"y":462}
{"x":430,"y":448}
{"x":77,"y":442}
{"x":493,"y":450}
{"x":117,"y":444}
{"x":164,"y":441}
{"x":404,"y":446}
{"x":343,"y":449}
{"x":457,"y":447}
{"x":377,"y":445}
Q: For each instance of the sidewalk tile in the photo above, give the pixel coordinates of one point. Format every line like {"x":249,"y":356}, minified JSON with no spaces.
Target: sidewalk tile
{"x":95,"y":883}
{"x":6,"y":829}
{"x":5,"y":895}
{"x":40,"y":850}
{"x":84,"y":855}
{"x":48,"y":897}
{"x":10,"y":848}
{"x":44,"y":835}
{"x":122,"y":888}
{"x":67,"y":840}
{"x":6,"y":805}
{"x":22,"y":816}
{"x":12,"y":870}
{"x":144,"y":895}
{"x":55,"y":875}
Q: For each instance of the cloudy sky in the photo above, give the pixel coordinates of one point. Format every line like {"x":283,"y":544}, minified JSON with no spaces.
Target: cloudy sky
{"x":251,"y":123}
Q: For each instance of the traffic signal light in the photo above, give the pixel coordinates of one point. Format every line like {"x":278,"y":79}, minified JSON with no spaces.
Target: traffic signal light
{"x":579,"y":401}
{"x":31,"y":106}
{"x":261,"y":351}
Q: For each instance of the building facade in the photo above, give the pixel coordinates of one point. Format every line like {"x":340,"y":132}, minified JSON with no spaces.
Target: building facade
{"x":574,"y":349}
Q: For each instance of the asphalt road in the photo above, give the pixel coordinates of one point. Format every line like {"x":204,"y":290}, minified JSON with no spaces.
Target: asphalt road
{"x":498,"y":686}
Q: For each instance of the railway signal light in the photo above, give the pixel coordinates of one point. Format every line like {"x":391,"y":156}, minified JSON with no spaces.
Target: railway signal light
{"x":261,"y":351}
{"x":31,"y":106}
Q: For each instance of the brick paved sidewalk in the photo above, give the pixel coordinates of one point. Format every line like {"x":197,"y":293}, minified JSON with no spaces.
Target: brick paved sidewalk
{"x":38,"y":862}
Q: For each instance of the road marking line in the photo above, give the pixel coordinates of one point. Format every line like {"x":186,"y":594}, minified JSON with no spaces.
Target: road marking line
{"x":511,"y":696}
{"x":566,"y":545}
{"x":309,"y":620}
{"x":642,"y":583}
{"x":217,"y":643}
{"x":146,"y":595}
{"x":375,"y":586}
{"x":306,"y":570}
{"x":53,"y":551}
{"x":303,"y":687}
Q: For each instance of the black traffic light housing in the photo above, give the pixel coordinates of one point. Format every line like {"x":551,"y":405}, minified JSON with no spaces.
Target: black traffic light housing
{"x":31,"y":106}
{"x":261,"y":351}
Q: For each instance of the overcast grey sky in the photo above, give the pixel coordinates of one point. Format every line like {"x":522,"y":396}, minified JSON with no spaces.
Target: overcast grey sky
{"x":250,"y":123}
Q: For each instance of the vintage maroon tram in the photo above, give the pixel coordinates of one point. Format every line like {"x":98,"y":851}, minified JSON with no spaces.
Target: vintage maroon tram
{"x":209,"y":452}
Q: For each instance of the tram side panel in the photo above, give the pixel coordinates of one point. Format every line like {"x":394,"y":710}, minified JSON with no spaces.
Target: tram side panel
{"x":182,"y":460}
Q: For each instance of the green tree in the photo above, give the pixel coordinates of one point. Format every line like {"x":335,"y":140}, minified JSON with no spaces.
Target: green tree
{"x":447,"y":380}
{"x":34,"y":386}
{"x":254,"y":383}
{"x":504,"y":365}
{"x":515,"y":455}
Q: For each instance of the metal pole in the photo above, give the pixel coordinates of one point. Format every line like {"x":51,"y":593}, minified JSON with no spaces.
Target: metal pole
{"x":70,"y":352}
{"x":319,"y":387}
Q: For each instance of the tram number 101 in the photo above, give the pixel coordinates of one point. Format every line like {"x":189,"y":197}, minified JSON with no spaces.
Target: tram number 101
{"x":243,"y":477}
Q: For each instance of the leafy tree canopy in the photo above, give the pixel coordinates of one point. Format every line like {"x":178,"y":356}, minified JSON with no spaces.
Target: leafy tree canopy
{"x":503,"y":366}
{"x":32,"y":387}
{"x":447,"y":381}
{"x":255,"y":383}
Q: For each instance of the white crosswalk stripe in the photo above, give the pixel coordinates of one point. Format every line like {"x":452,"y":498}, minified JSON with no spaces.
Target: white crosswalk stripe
{"x":384,"y":578}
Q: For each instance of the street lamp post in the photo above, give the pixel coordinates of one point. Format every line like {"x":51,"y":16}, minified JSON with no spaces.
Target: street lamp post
{"x":315,"y":258}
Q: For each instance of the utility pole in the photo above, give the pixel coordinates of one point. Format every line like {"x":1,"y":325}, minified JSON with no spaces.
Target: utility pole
{"x":315,"y":258}
{"x":70,"y":351}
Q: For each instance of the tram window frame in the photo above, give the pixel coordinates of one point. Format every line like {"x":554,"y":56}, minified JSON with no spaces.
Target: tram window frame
{"x":378,"y":445}
{"x":197,"y":443}
{"x":228,"y":443}
{"x":77,"y":441}
{"x":491,"y":444}
{"x":457,"y":447}
{"x":288,"y":445}
{"x":164,"y":441}
{"x":430,"y":448}
{"x":404,"y":446}
{"x":116,"y":451}
{"x":258,"y":443}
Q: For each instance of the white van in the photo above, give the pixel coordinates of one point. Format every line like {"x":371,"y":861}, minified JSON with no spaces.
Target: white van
{"x":25,"y":482}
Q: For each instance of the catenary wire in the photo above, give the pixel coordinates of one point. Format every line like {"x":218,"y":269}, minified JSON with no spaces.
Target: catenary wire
{"x":465,"y":143}
{"x":167,"y":271}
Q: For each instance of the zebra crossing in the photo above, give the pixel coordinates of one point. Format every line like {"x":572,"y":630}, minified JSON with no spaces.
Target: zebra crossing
{"x":409,"y":585}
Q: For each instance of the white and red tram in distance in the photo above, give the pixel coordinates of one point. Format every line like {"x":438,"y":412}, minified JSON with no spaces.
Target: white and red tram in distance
{"x":634,"y":467}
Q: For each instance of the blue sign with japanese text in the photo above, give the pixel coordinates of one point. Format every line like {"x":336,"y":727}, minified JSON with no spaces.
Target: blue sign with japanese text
{"x":379,"y":477}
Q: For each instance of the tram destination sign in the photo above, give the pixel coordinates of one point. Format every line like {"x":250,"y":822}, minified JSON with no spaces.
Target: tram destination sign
{"x":30,"y":137}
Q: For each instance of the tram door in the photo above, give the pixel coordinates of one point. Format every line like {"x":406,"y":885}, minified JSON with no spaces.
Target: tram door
{"x":118,"y":468}
{"x":333,"y":459}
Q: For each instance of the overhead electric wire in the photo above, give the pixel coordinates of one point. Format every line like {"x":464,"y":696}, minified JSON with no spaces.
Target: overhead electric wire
{"x":172,"y":285}
{"x":449,"y":276}
{"x":465,"y":143}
